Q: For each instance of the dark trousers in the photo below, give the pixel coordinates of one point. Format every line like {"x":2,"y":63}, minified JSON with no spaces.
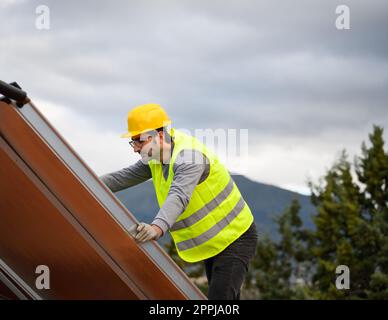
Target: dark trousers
{"x":226,"y":271}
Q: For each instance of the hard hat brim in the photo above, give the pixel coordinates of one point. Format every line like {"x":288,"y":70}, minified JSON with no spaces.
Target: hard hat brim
{"x":136,"y":133}
{"x":126,"y":135}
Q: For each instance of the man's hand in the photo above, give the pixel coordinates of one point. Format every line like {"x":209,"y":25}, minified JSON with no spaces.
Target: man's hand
{"x":147,"y":232}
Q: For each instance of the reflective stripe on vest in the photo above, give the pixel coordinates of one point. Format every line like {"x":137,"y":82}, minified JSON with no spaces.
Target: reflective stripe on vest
{"x":198,"y":215}
{"x":212,"y":232}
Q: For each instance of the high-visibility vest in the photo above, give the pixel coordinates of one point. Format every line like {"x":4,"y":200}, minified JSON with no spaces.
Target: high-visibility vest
{"x":216,"y":214}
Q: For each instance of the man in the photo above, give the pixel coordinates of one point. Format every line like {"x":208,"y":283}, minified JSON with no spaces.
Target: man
{"x":199,"y":203}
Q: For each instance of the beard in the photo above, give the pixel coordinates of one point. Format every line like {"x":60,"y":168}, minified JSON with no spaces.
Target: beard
{"x":146,"y":155}
{"x":150,"y":151}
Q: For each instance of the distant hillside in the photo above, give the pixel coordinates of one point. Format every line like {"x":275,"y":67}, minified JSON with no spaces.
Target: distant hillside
{"x":265,"y":201}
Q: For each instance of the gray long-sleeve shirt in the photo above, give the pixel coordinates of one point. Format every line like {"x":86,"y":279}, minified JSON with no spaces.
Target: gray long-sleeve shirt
{"x":190,"y":168}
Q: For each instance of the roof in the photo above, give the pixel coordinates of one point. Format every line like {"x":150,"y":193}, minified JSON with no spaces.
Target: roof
{"x":56,"y":212}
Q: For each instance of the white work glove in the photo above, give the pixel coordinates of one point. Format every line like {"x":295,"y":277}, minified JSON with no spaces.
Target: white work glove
{"x":147,"y":232}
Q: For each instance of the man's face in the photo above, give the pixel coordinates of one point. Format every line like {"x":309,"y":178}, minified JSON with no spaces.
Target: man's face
{"x":148,"y":146}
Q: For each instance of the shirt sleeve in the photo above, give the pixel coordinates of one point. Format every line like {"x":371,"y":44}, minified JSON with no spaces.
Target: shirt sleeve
{"x":127,"y":177}
{"x":187,"y":174}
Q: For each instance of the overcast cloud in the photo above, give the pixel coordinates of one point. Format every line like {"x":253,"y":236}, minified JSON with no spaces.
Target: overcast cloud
{"x":280,"y":69}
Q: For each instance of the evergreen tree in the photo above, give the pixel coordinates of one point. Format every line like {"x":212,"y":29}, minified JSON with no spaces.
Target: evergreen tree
{"x":340,"y":228}
{"x":372,"y":172}
{"x":351,"y":228}
{"x":281,"y":266}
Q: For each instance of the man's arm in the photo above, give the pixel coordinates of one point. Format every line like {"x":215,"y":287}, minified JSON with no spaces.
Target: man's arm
{"x":127,"y":177}
{"x":187,"y":174}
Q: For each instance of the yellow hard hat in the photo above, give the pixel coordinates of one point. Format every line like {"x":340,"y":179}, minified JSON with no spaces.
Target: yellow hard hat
{"x":146,"y":117}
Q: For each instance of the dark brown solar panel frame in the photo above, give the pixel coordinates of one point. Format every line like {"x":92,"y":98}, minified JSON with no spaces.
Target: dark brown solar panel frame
{"x":55,"y":211}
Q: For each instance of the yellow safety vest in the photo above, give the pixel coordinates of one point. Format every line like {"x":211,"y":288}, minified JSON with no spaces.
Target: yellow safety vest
{"x":216,"y":214}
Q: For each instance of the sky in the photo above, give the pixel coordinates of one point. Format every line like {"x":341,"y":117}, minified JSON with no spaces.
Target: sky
{"x":279,"y":70}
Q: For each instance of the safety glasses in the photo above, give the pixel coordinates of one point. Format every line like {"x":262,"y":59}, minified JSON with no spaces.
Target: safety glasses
{"x":137,"y":142}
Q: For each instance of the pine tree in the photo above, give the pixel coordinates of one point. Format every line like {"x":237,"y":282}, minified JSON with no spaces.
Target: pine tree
{"x":351,"y":228}
{"x":351,"y":224}
{"x":340,"y":228}
{"x":372,"y":172}
{"x":281,"y":266}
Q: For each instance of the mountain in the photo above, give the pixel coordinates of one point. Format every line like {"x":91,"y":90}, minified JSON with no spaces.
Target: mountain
{"x":266,"y":202}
